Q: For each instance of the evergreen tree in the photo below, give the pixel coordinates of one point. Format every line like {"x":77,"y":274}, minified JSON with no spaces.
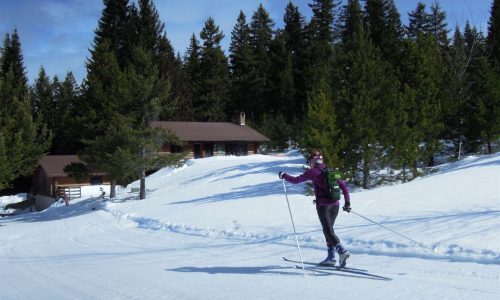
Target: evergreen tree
{"x":192,"y":69}
{"x":66,"y":97}
{"x":487,"y":104}
{"x":280,"y":93}
{"x":423,"y":72}
{"x":297,"y":44}
{"x":419,"y":22}
{"x":322,"y":21}
{"x":457,"y":91}
{"x":438,"y":25}
{"x":213,"y":94}
{"x":23,"y":141}
{"x":242,"y":66}
{"x":115,"y":25}
{"x":322,"y":36}
{"x":170,"y":67}
{"x":152,"y":38}
{"x":493,"y":37}
{"x":150,"y":28}
{"x":367,"y":92}
{"x":386,"y":31}
{"x":261,"y":35}
{"x":321,"y":126}
{"x":42,"y":100}
{"x":103,"y":94}
{"x":12,"y":60}
{"x":280,"y":78}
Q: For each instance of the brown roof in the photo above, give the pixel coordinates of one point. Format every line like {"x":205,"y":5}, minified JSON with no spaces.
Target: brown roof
{"x":211,"y":131}
{"x":54,"y":164}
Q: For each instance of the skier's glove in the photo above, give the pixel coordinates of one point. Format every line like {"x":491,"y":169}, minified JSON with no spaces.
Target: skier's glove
{"x":347,"y":207}
{"x":281,"y":174}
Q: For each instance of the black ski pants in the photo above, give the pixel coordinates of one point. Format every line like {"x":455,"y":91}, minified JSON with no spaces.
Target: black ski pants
{"x":327,"y":215}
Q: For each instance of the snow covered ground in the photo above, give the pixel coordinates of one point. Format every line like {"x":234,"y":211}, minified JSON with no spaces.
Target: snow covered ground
{"x":218,"y":228}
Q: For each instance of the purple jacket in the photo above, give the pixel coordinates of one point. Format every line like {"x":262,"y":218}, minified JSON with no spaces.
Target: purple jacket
{"x":314,"y":174}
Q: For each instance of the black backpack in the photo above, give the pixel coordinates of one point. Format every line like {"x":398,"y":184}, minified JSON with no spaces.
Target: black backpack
{"x":331,"y":181}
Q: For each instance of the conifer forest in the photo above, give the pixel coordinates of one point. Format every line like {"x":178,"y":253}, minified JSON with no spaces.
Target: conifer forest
{"x":374,"y":94}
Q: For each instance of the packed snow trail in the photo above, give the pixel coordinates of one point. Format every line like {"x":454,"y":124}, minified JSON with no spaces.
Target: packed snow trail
{"x":218,"y":227}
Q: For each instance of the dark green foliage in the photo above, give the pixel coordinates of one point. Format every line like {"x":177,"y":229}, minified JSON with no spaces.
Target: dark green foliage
{"x":368,"y":96}
{"x":296,"y":41}
{"x":419,"y":22}
{"x":423,"y":70}
{"x":116,"y":25}
{"x":243,"y":74}
{"x":23,"y":141}
{"x":438,"y":25}
{"x":213,"y":91}
{"x":66,"y":97}
{"x":385,"y":28}
{"x":493,"y":38}
{"x":260,"y":35}
{"x":321,"y":130}
{"x":348,"y":82}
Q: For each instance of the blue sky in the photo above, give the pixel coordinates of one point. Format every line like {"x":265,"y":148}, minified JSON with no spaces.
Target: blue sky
{"x":58,"y":33}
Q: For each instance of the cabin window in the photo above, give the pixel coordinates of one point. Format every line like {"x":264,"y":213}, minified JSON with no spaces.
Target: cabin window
{"x":236,"y":149}
{"x":175,"y":149}
{"x":96,"y":180}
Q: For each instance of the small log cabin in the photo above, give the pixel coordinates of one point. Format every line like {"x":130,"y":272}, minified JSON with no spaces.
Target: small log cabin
{"x":205,"y":139}
{"x":50,"y":178}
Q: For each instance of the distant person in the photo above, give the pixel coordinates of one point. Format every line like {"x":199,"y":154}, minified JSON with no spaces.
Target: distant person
{"x":64,"y":197}
{"x":326,"y":207}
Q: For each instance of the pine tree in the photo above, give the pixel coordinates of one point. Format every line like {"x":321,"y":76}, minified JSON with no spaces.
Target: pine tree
{"x":191,"y":67}
{"x":150,"y":28}
{"x":152,"y":38}
{"x":66,"y":97}
{"x":321,"y":126}
{"x":493,"y":37}
{"x":280,"y":78}
{"x":103,"y":94}
{"x":42,"y":100}
{"x":297,"y":44}
{"x":280,"y":93}
{"x":386,"y":31}
{"x":261,"y":35}
{"x":457,"y":91}
{"x":366,"y":94}
{"x":423,"y":72}
{"x":419,"y":22}
{"x":114,"y":26}
{"x":170,"y":68}
{"x":438,"y":25}
{"x":213,"y":94}
{"x":322,"y":36}
{"x":23,"y":141}
{"x":243,"y":71}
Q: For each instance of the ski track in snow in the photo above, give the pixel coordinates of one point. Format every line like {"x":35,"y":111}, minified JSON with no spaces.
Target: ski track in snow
{"x":452,"y":253}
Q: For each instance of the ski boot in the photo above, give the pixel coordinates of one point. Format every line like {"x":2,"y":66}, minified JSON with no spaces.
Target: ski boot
{"x":343,"y":255}
{"x":330,"y":259}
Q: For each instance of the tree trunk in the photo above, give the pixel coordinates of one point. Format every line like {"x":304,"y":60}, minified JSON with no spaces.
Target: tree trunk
{"x":112,"y":189}
{"x":142,"y":192}
{"x":404,"y":173}
{"x":366,"y":175}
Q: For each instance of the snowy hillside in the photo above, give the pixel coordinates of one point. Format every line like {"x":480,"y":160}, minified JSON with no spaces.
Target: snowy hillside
{"x":218,"y":228}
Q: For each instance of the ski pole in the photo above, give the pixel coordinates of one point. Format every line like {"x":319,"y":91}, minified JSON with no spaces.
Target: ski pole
{"x":385,"y":227}
{"x":293,"y":225}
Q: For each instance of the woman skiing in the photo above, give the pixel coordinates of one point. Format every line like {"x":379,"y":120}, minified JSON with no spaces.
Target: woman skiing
{"x":326,"y":208}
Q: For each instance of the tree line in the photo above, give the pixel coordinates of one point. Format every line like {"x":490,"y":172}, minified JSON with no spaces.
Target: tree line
{"x":354,"y":81}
